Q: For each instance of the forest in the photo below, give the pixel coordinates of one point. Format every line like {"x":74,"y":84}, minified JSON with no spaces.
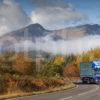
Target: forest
{"x":20,"y":73}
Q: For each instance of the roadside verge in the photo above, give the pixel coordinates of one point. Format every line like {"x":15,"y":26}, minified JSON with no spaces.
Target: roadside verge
{"x":66,"y":86}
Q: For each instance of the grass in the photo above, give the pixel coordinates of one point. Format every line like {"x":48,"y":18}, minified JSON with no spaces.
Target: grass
{"x":50,"y":90}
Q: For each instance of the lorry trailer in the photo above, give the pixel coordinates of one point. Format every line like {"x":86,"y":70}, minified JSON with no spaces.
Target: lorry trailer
{"x":90,"y":72}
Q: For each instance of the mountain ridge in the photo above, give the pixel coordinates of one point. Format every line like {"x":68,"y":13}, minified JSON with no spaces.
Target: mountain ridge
{"x":35,"y":35}
{"x":36,"y":30}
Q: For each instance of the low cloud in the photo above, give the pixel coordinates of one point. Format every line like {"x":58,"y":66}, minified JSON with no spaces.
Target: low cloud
{"x":12,"y":16}
{"x":47,"y":44}
{"x":67,"y":46}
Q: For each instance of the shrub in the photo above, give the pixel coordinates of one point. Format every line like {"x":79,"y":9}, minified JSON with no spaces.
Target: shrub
{"x":25,"y":85}
{"x":39,"y":84}
{"x":24,"y":65}
{"x":71,"y":70}
{"x":3,"y":85}
{"x":53,"y":82}
{"x":52,"y":70}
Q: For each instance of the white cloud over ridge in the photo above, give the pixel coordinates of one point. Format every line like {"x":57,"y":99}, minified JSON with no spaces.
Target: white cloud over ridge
{"x":12,"y":16}
{"x":56,"y":17}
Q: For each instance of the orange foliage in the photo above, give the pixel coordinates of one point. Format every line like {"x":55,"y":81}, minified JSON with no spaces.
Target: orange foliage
{"x":22,"y":64}
{"x":71,"y":70}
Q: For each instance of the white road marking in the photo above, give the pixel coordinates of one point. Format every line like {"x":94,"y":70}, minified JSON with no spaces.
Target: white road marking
{"x":91,"y":91}
{"x":84,"y":93}
{"x":70,"y":97}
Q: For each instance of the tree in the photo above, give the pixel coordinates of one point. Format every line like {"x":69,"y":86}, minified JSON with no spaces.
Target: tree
{"x":71,"y":70}
{"x":23,"y":64}
{"x":54,"y":67}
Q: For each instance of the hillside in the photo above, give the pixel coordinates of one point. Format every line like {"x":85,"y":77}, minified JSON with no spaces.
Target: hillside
{"x":35,"y":37}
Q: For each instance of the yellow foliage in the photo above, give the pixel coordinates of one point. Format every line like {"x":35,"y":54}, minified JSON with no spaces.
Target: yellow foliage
{"x":58,"y":60}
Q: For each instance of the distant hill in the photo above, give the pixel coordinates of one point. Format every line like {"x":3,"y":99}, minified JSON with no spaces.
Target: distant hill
{"x":76,"y":32}
{"x":32,"y":31}
{"x":35,"y":32}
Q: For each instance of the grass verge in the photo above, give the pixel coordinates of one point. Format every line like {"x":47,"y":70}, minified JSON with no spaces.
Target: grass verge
{"x":50,"y":90}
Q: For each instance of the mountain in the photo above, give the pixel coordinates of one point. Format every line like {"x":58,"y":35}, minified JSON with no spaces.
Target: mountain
{"x":36,"y":31}
{"x":76,"y":32}
{"x":35,"y":36}
{"x":32,"y":31}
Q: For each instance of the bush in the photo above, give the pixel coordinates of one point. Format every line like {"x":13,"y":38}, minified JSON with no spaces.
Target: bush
{"x":52,"y":70}
{"x":30,"y":85}
{"x":53,"y":82}
{"x":71,"y":70}
{"x":39,"y":84}
{"x":3,"y":85}
{"x":25,"y":85}
{"x":12,"y":84}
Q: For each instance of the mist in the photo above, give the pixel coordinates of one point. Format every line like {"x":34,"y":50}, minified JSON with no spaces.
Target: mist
{"x":76,"y":46}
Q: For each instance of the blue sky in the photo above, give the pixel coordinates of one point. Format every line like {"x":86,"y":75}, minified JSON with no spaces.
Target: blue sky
{"x":90,"y":8}
{"x":52,"y":14}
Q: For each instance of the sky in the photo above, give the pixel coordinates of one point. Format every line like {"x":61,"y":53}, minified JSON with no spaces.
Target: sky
{"x":51,"y":14}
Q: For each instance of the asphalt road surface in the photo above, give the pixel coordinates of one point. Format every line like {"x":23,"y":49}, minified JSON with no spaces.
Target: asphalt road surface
{"x":80,"y":92}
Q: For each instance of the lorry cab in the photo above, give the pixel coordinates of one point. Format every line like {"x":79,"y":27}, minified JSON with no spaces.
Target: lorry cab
{"x":90,"y":72}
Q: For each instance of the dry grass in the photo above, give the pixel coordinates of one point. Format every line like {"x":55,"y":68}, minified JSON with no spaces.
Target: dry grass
{"x":51,"y":89}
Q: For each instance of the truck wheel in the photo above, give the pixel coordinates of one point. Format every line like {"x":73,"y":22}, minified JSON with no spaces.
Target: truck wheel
{"x":83,"y":82}
{"x":92,"y":81}
{"x":96,"y":81}
{"x":88,"y":81}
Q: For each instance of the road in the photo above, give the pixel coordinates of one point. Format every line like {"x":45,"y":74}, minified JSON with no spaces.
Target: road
{"x":80,"y":92}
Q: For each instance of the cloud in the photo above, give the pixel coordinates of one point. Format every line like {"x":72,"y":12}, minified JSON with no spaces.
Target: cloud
{"x":76,"y":46}
{"x":12,"y":16}
{"x":47,"y":44}
{"x":50,"y":3}
{"x":55,"y":14}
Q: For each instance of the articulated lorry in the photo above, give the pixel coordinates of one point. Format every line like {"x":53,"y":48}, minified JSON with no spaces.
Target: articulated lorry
{"x":90,"y":72}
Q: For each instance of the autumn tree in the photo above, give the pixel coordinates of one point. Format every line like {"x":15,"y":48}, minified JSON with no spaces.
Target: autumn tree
{"x":71,"y":70}
{"x":54,"y":67}
{"x":24,"y":65}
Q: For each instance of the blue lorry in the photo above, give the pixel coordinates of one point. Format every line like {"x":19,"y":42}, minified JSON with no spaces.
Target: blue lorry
{"x":90,"y":72}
